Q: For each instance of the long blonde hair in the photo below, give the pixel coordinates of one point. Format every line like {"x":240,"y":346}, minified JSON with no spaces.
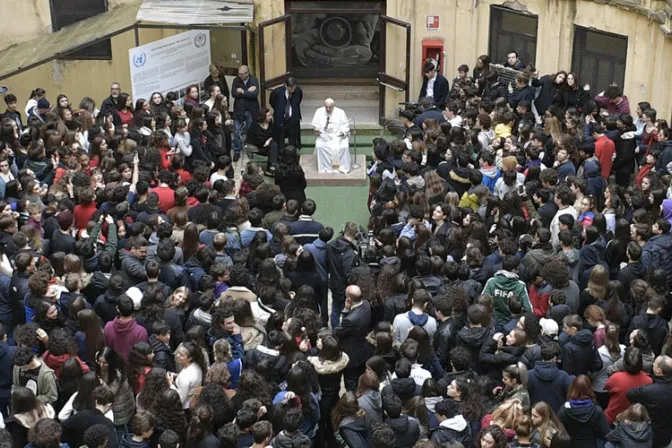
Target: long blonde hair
{"x":507,"y":414}
{"x":552,"y":128}
{"x":549,"y":420}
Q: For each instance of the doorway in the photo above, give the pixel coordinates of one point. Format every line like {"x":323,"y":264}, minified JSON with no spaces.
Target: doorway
{"x":335,"y":49}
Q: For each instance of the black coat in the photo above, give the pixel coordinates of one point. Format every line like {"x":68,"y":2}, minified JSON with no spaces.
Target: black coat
{"x":444,"y":339}
{"x":162,"y":355}
{"x":352,"y":333}
{"x":441,"y":89}
{"x":247,"y":101}
{"x":293,"y":186}
{"x":341,"y":259}
{"x":549,"y":94}
{"x":473,"y":339}
{"x":278,"y":366}
{"x":655,"y":327}
{"x":579,"y":354}
{"x":584,"y":424}
{"x":657,"y":399}
{"x":407,"y":430}
{"x":356,"y":432}
{"x":493,"y":361}
{"x":221,"y":82}
{"x":106,"y":306}
{"x":278,"y":101}
{"x":549,"y":384}
{"x":74,"y":427}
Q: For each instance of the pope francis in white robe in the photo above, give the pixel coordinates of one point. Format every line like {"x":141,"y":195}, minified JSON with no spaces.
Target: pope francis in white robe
{"x":332,"y":146}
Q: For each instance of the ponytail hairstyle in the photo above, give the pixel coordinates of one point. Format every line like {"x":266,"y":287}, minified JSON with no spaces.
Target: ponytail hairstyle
{"x":611,"y":341}
{"x":199,"y":426}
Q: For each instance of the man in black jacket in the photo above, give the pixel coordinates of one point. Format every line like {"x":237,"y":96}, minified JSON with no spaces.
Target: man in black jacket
{"x":434,"y":85}
{"x":635,"y":269}
{"x":657,"y":399}
{"x":652,"y":324}
{"x":286,"y":104}
{"x":473,"y":336}
{"x":109,"y":105}
{"x":341,"y":258}
{"x":74,"y":426}
{"x":446,"y":332}
{"x":352,"y":333}
{"x":245,"y":91}
{"x":18,"y":288}
{"x":579,"y":354}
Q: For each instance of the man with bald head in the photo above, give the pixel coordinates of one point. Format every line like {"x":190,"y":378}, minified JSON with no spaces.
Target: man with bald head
{"x":657,"y":399}
{"x":355,"y":321}
{"x":332,"y":145}
{"x":245,"y":91}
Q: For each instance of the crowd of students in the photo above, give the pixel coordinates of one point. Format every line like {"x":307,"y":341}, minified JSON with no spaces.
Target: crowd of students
{"x":511,"y":289}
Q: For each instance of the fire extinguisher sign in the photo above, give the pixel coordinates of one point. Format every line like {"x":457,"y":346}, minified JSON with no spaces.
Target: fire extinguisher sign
{"x":432,"y":23}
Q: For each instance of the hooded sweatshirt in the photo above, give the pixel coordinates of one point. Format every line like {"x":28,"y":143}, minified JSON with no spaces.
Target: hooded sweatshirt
{"x":548,"y":383}
{"x":372,"y":404}
{"x":128,"y":442}
{"x":407,"y":430}
{"x":122,"y":335}
{"x":404,"y":322}
{"x":296,"y":440}
{"x":579,"y":355}
{"x":502,"y":286}
{"x":473,"y":339}
{"x":630,"y":435}
{"x":490,"y":176}
{"x":584,"y":421}
{"x":452,"y":429}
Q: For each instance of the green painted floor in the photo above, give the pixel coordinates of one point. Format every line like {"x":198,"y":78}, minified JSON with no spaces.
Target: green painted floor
{"x":338,"y":205}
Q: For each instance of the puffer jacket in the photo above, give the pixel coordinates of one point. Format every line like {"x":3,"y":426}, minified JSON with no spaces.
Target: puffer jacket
{"x":329,"y":377}
{"x":539,"y":255}
{"x":279,"y":366}
{"x":579,"y":355}
{"x":494,"y":360}
{"x":657,"y":254}
{"x":630,"y":435}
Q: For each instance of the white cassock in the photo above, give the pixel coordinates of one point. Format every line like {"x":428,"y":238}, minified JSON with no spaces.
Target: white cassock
{"x":332,"y":146}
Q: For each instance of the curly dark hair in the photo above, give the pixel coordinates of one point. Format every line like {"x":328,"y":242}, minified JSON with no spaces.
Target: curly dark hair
{"x":496,"y":433}
{"x":168,"y":411}
{"x":214,"y":396}
{"x":155,"y":384}
{"x":251,"y":385}
{"x":138,"y":360}
{"x":556,"y":273}
{"x":45,"y":434}
{"x":96,"y":435}
{"x":61,"y":343}
{"x":26,"y":335}
{"x":362,"y":277}
{"x":531,"y":327}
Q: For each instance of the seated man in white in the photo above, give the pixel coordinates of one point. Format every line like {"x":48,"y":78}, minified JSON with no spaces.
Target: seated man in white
{"x":332,"y":146}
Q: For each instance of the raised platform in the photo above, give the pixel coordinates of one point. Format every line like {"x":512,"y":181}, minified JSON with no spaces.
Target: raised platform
{"x":355,"y":178}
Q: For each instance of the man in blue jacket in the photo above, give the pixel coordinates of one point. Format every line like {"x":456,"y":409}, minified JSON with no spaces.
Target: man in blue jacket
{"x":6,"y":371}
{"x":319,"y":250}
{"x":545,"y":382}
{"x":579,"y":354}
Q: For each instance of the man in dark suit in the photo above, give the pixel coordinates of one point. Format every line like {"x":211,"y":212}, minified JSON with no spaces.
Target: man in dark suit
{"x":434,"y":85}
{"x":245,"y":91}
{"x":352,"y":331}
{"x":286,"y":104}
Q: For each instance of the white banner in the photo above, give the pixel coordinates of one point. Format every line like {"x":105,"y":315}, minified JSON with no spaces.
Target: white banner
{"x":170,"y":65}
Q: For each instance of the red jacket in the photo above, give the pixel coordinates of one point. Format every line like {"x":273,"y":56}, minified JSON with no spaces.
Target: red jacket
{"x":538,"y":301}
{"x":166,"y":197}
{"x":56,"y":362}
{"x":604,"y":151}
{"x":83,"y":214}
{"x":618,"y":385}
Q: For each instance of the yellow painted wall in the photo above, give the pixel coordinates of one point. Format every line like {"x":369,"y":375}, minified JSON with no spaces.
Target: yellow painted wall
{"x":34,"y":19}
{"x":464,"y":26}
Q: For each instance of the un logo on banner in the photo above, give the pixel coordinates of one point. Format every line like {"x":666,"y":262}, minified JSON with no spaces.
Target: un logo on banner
{"x":200,"y":40}
{"x":139,"y":59}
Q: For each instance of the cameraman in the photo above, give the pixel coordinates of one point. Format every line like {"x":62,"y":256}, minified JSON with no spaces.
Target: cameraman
{"x":341,"y":258}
